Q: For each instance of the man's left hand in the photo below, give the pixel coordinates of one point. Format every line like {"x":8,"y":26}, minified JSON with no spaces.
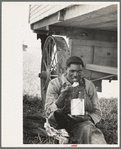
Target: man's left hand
{"x":80,"y":118}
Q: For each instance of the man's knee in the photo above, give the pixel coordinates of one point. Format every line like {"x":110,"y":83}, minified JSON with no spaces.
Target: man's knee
{"x":97,"y":137}
{"x":81,"y":132}
{"x":87,"y":133}
{"x":95,"y":134}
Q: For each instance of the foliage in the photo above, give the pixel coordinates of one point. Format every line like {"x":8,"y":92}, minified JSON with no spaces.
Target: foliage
{"x":32,"y":107}
{"x":108,"y":124}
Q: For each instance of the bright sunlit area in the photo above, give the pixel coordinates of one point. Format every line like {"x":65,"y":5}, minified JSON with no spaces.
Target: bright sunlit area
{"x":109,"y":89}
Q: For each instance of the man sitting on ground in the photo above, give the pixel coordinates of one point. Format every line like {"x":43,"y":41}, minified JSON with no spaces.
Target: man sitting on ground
{"x":81,"y":128}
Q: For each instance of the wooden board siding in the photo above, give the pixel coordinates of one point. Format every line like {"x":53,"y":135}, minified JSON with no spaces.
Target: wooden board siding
{"x":105,"y":53}
{"x":38,"y":12}
{"x":33,"y":8}
{"x":104,"y":69}
{"x":95,"y":52}
{"x":105,"y":56}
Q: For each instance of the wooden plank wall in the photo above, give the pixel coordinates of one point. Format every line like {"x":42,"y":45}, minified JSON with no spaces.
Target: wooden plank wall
{"x":95,"y":52}
{"x":38,"y":12}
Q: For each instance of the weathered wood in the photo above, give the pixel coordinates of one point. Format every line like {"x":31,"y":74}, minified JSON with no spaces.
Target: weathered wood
{"x":33,"y":8}
{"x":81,"y":16}
{"x":70,"y":45}
{"x":102,"y":15}
{"x":61,"y":15}
{"x":96,"y":52}
{"x":96,"y":43}
{"x":96,"y":9}
{"x":90,"y":34}
{"x":43,"y":38}
{"x":86,"y":53}
{"x":40,"y":32}
{"x":93,"y":19}
{"x":107,"y":77}
{"x":102,"y":35}
{"x":41,"y":10}
{"x":111,"y":25}
{"x":29,"y":14}
{"x":44,"y":22}
{"x":105,"y":56}
{"x":92,"y":45}
{"x":50,"y":9}
{"x":104,"y":69}
{"x":105,"y":24}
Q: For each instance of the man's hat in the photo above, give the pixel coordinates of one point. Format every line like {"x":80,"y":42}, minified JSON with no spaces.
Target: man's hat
{"x":74,"y":60}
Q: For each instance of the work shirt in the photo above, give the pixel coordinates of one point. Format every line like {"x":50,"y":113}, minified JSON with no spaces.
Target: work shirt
{"x":88,"y":91}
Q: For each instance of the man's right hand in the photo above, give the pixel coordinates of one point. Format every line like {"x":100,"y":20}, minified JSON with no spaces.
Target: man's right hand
{"x":64,"y":94}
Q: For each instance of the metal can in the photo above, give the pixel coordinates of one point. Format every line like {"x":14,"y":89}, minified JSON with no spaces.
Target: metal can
{"x":77,"y":106}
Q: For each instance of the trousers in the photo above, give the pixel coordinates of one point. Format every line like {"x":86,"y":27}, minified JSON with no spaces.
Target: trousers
{"x":80,"y":132}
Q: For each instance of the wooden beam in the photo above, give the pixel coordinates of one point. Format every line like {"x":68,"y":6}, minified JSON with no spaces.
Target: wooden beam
{"x":61,"y":15}
{"x":81,"y":12}
{"x":86,"y":34}
{"x":90,"y":36}
{"x":103,"y":69}
{"x":44,"y":22}
{"x":93,"y":19}
{"x":96,"y":10}
{"x":40,"y":32}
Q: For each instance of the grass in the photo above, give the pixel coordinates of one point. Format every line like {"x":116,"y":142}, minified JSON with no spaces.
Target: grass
{"x":108,"y":124}
{"x":32,"y":107}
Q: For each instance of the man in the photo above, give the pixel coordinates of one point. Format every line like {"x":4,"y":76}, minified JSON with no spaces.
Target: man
{"x":81,"y":128}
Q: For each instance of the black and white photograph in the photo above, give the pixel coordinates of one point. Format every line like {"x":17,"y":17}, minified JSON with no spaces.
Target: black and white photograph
{"x":60,"y":74}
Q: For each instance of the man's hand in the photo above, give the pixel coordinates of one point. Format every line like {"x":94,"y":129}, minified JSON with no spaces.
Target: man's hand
{"x":80,"y":118}
{"x":64,"y":94}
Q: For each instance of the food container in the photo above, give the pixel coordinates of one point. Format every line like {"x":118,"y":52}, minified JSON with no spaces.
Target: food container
{"x":77,"y":106}
{"x":77,"y":102}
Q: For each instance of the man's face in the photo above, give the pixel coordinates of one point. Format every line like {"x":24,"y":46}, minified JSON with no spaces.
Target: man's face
{"x":74,"y":72}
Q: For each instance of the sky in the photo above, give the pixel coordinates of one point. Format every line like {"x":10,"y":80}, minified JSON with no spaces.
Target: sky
{"x":17,"y":14}
{"x":15,"y":32}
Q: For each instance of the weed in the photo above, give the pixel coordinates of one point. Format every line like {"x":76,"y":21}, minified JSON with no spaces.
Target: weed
{"x":108,"y":124}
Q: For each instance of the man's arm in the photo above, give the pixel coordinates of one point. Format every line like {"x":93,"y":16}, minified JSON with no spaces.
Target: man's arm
{"x":63,"y":95}
{"x":55,"y":100}
{"x":52,"y":95}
